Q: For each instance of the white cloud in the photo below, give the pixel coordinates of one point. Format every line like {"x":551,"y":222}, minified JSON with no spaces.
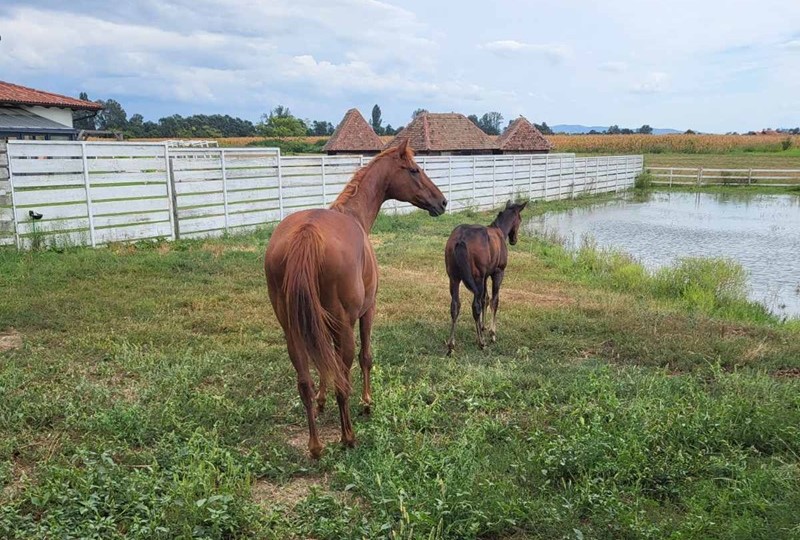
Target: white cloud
{"x":653,"y":83}
{"x":613,"y":67}
{"x":792,"y":45}
{"x":553,"y":52}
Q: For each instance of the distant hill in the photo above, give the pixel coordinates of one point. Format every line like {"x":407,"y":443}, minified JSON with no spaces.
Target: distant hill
{"x":573,"y":129}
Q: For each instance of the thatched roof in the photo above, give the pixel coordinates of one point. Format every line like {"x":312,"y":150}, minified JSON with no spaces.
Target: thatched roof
{"x":522,"y":136}
{"x":353,"y":134}
{"x":443,"y":132}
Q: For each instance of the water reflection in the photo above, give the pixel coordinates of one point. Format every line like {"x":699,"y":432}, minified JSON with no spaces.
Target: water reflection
{"x":761,"y":232}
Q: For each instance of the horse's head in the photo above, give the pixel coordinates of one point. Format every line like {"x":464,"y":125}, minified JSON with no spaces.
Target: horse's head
{"x":409,"y":183}
{"x":511,"y":215}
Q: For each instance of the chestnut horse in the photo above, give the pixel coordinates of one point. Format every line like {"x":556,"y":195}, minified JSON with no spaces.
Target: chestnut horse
{"x":322,"y":277}
{"x":472,"y":255}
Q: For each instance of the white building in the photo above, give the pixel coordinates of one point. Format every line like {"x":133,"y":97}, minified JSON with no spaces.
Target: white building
{"x":26,"y":113}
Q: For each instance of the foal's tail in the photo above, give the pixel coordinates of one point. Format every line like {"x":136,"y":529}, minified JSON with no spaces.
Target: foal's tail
{"x":464,"y":266}
{"x":308,"y":324}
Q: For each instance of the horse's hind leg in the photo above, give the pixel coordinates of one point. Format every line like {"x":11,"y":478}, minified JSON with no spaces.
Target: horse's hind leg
{"x":305,"y":385}
{"x":477,"y":311}
{"x":321,"y":396}
{"x":455,"y":308}
{"x":365,"y":357}
{"x":344,"y":342}
{"x":497,"y":280}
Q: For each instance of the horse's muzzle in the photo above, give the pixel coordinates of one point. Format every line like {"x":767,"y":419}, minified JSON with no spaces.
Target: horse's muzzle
{"x":438,"y":209}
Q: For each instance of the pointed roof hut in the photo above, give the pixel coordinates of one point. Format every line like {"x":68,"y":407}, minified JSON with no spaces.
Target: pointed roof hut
{"x":353,"y":135}
{"x":436,"y":134}
{"x":522,"y":137}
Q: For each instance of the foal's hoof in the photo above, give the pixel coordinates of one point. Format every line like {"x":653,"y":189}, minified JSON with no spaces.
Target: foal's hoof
{"x":494,"y":338}
{"x":481,"y":345}
{"x":349,"y":443}
{"x":315,"y":452}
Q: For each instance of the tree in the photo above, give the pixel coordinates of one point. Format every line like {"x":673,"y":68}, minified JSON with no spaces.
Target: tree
{"x":490,"y":123}
{"x":281,"y":123}
{"x":113,"y":117}
{"x":389,"y":130}
{"x":320,"y":127}
{"x":83,"y":119}
{"x":613,"y":130}
{"x":376,"y":120}
{"x":645,"y":130}
{"x":418,"y":112}
{"x":474,"y":119}
{"x":543,"y":128}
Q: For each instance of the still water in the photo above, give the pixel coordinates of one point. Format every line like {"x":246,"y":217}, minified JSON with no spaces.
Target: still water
{"x":760,"y":232}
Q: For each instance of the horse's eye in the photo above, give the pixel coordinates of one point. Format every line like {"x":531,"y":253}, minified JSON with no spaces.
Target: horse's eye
{"x":413,"y":170}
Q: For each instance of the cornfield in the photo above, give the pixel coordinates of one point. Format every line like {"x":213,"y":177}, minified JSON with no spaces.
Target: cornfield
{"x":677,"y":144}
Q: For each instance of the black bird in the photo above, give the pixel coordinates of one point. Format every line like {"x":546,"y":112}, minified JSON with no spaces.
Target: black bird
{"x":34,"y":215}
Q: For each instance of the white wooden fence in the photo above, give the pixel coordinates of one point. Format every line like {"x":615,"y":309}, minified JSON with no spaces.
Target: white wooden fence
{"x":93,"y":193}
{"x":703,"y":176}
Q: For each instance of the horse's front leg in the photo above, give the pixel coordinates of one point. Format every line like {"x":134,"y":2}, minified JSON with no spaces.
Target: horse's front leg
{"x":365,"y":357}
{"x":497,"y":280}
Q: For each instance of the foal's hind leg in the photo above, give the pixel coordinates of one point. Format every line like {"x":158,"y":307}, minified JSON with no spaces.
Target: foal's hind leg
{"x":477,"y":311}
{"x":365,"y":357}
{"x":455,"y":308}
{"x":485,"y":303}
{"x":497,"y":280}
{"x":321,"y":395}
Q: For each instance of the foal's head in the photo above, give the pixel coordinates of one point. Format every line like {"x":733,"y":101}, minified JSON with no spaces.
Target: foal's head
{"x":409,"y":183}
{"x":509,"y":220}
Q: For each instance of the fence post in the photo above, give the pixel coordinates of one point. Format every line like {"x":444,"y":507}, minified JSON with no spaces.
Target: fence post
{"x":88,"y":188}
{"x":616,"y":175}
{"x":572,"y":188}
{"x":546,"y":171}
{"x":450,"y":184}
{"x":560,"y":173}
{"x":749,"y":177}
{"x":494,"y":180}
{"x":699,"y":176}
{"x":670,"y":177}
{"x":530,"y":177}
{"x":280,"y":187}
{"x":324,"y":194}
{"x":172,"y":199}
{"x":173,"y":195}
{"x":224,"y":187}
{"x":7,"y":222}
{"x":513,"y":178}
{"x":474,"y":165}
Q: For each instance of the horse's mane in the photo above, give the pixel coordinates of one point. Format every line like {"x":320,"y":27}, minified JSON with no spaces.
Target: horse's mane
{"x":351,"y":189}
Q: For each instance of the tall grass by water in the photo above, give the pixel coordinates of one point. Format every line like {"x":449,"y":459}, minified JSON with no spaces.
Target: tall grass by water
{"x":149,"y":395}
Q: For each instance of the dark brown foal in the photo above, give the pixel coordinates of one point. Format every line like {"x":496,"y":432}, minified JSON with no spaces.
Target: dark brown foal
{"x":475,"y":253}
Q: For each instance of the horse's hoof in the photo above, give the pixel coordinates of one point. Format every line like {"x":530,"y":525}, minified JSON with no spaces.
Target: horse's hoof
{"x":494,"y":339}
{"x":315,"y":452}
{"x":482,"y":345}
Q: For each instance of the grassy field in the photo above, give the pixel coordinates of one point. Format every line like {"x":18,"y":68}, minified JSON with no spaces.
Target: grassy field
{"x":736,"y":160}
{"x":145,"y":392}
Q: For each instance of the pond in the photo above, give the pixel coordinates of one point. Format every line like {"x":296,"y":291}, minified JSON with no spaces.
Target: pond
{"x":760,"y":232}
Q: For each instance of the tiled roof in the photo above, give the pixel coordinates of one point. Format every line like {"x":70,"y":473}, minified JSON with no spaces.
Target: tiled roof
{"x":353,"y":134}
{"x":443,"y":132}
{"x":521,"y":135}
{"x":22,"y":95}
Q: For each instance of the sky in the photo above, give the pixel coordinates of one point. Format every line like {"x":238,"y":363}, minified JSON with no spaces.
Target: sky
{"x":708,"y":65}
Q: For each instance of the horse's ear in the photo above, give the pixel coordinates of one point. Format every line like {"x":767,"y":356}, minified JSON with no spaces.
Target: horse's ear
{"x":509,"y":204}
{"x":522,"y":206}
{"x":402,"y":148}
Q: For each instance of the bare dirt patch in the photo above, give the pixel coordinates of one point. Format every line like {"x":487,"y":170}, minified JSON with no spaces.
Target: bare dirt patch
{"x":788,"y":373}
{"x":266,"y":493}
{"x":297,"y":436}
{"x":10,"y":340}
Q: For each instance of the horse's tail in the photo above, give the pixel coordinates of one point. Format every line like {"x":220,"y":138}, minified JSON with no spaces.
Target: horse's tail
{"x":464,"y":266}
{"x":308,"y":324}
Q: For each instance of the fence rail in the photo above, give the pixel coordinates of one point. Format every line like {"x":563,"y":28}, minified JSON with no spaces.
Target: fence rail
{"x":702,"y":176}
{"x":93,"y":193}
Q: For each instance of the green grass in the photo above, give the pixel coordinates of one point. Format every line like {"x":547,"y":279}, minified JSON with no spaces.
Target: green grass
{"x":152,"y":397}
{"x":789,"y":159}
